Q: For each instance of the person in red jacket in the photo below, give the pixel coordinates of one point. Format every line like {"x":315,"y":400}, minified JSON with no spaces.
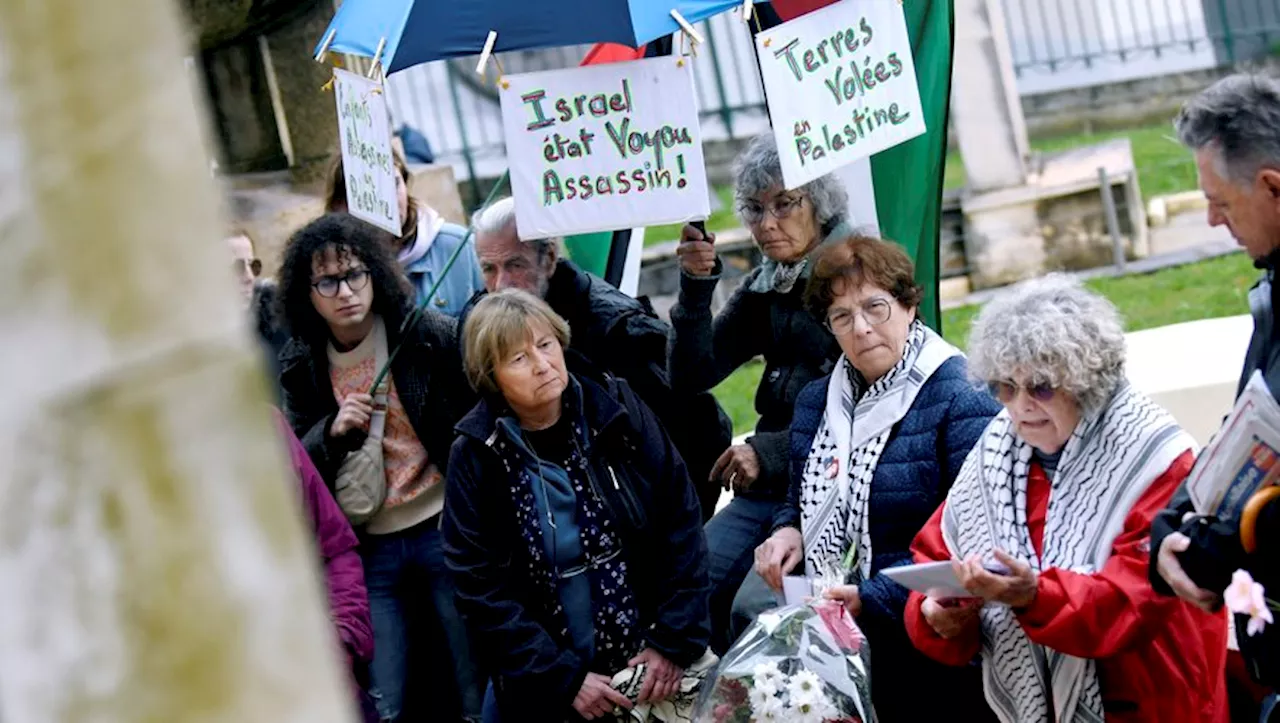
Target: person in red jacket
{"x":344,"y":575}
{"x":1048,"y":528}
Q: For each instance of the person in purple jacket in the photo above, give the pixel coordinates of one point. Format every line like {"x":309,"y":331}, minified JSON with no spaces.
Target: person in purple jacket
{"x":343,"y":573}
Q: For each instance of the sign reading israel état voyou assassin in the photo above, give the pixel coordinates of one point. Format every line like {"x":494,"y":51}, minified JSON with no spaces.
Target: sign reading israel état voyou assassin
{"x":841,"y":84}
{"x":604,"y":147}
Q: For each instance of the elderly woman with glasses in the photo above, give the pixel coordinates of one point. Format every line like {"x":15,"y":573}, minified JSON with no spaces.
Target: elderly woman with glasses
{"x":874,"y":446}
{"x":1048,"y":528}
{"x":765,"y":318}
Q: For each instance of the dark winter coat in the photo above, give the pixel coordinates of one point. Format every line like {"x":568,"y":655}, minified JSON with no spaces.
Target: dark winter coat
{"x":1216,"y":552}
{"x":642,"y":481}
{"x":619,"y":335}
{"x":428,"y":378}
{"x":796,"y":347}
{"x":920,"y":461}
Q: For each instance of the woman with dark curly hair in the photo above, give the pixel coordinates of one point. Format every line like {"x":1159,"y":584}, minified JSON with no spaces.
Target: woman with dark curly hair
{"x":346,"y":302}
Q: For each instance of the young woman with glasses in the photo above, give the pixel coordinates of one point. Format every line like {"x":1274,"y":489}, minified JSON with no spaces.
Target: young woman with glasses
{"x":343,"y":296}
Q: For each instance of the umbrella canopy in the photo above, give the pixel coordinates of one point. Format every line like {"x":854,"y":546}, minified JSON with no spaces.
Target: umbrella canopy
{"x":419,"y":31}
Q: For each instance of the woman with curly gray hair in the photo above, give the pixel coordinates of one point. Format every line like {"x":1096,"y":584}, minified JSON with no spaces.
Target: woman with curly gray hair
{"x":765,"y":317}
{"x":1047,"y":527}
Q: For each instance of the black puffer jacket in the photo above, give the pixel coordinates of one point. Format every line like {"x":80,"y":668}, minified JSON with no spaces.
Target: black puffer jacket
{"x":428,"y":379}
{"x":797,"y":350}
{"x":621,"y":336}
{"x":643,"y":483}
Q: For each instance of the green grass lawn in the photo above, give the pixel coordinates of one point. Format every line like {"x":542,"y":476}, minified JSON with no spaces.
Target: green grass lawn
{"x":1206,"y":290}
{"x":1164,"y":166}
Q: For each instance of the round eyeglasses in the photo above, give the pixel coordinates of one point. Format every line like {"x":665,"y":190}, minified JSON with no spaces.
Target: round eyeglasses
{"x":781,"y":207}
{"x":874,"y":312}
{"x":328,"y":286}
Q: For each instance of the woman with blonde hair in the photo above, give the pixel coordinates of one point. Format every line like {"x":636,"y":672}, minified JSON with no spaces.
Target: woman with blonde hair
{"x":425,"y":244}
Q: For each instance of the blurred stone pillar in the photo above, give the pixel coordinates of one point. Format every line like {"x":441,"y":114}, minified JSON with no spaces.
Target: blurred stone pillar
{"x":306,"y":114}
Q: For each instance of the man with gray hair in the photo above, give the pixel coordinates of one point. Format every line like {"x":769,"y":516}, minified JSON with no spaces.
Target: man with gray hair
{"x":610,"y":333}
{"x":1233,"y":128}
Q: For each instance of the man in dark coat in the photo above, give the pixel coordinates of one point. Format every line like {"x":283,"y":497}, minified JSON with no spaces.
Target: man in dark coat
{"x":612,"y":333}
{"x":1233,"y":128}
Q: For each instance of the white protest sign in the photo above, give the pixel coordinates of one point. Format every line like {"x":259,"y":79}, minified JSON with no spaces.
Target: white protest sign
{"x":365,"y":138}
{"x":841,"y":84}
{"x":604,"y":147}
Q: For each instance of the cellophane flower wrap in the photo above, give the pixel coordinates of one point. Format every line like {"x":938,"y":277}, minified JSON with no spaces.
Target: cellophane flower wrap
{"x":801,"y":664}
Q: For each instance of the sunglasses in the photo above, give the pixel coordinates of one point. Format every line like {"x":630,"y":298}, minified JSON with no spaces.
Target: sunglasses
{"x":239,"y":266}
{"x":1007,"y":391}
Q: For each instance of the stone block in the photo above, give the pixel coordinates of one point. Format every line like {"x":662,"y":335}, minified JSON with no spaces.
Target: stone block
{"x":436,"y":186}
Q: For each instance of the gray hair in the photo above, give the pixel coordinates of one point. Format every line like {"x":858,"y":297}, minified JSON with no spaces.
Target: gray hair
{"x":1240,"y":117}
{"x":1051,"y":331}
{"x":499,"y":217}
{"x":757,"y":169}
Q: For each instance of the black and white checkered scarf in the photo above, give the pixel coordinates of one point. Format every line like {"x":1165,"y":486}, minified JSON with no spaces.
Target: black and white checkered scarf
{"x":836,"y":480}
{"x":1111,"y":459}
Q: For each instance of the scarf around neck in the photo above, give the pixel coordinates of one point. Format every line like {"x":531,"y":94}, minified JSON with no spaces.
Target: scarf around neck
{"x":1108,"y":463}
{"x":782,"y":277}
{"x":429,"y":224}
{"x":857,"y":423}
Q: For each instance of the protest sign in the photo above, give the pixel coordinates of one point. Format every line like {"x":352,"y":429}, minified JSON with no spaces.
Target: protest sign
{"x":604,"y":147}
{"x":841,"y":85}
{"x":365,"y":138}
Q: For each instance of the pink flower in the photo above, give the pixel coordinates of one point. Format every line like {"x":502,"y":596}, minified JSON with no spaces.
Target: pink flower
{"x":1246,"y":597}
{"x":722,"y":712}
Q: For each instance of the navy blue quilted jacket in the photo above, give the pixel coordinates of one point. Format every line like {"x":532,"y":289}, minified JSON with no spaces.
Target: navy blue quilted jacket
{"x":918,"y":465}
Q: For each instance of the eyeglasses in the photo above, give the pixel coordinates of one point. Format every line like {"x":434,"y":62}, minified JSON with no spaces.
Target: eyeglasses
{"x":328,"y":286}
{"x":874,"y":312}
{"x":1007,"y":391}
{"x":781,"y":207}
{"x":253,"y":266}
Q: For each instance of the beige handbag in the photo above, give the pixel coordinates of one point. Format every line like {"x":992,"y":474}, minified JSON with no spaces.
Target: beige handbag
{"x":361,"y":484}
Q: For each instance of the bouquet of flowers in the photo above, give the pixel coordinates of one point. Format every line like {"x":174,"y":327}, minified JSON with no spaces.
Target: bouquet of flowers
{"x":800,"y":664}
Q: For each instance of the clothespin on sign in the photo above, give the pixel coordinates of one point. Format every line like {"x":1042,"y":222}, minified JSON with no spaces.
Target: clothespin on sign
{"x":324,"y":47}
{"x":376,"y":65}
{"x":689,"y":30}
{"x":487,"y":53}
{"x":748,"y":10}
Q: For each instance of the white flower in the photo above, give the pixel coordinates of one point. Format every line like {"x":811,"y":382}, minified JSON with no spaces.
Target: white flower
{"x":1246,"y":597}
{"x":809,"y":711}
{"x":804,"y":687}
{"x":773,"y":710}
{"x":768,"y":677}
{"x":760,"y":698}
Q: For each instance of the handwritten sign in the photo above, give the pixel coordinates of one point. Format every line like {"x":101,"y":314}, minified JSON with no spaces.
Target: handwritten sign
{"x":365,"y":138}
{"x":604,"y":147}
{"x":841,"y":83}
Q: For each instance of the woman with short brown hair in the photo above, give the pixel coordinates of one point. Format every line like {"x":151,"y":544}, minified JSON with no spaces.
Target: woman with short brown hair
{"x":874,"y":448}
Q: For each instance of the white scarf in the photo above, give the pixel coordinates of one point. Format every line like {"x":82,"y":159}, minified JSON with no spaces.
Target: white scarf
{"x":836,"y":481}
{"x":429,"y":224}
{"x":1111,"y":459}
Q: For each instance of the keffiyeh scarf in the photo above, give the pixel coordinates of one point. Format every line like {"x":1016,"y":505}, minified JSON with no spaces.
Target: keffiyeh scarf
{"x":1109,"y":462}
{"x":836,"y":479}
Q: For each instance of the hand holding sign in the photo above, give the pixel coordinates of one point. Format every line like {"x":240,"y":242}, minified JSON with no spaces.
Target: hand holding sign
{"x":697,"y":251}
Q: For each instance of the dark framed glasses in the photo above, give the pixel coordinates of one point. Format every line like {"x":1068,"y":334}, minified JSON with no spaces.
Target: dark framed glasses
{"x":240,"y":266}
{"x":328,"y":286}
{"x":780,"y":208}
{"x":1007,"y":391}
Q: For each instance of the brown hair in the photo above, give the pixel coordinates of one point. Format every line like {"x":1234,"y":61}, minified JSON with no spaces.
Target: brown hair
{"x":335,"y":197}
{"x":498,"y":324}
{"x":858,"y":260}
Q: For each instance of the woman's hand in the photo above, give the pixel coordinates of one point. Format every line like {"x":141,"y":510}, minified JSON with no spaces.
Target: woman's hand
{"x":355,"y":413}
{"x":597,"y":698}
{"x":779,"y":555}
{"x":953,"y":618}
{"x":697,"y":251}
{"x":847,"y":594}
{"x":661,"y":677}
{"x":1017,"y":589}
{"x":737,"y":468}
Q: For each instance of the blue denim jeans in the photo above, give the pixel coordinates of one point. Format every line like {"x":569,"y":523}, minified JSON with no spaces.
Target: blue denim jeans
{"x":732,"y":537}
{"x":411,"y":597}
